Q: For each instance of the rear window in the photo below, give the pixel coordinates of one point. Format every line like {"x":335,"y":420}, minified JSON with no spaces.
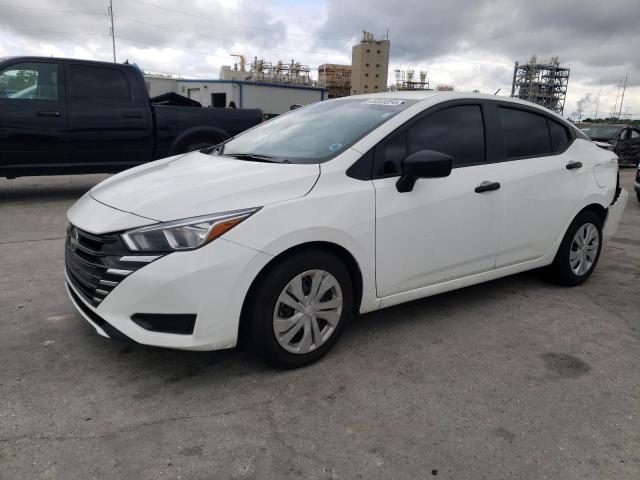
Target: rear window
{"x":100,"y":84}
{"x":559,"y":136}
{"x":525,"y":134}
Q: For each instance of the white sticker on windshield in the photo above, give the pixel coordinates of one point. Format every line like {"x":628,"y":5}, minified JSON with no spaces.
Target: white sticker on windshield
{"x":384,"y":101}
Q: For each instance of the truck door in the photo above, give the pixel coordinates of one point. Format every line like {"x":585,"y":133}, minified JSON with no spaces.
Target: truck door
{"x":110,"y":124}
{"x":33,"y":117}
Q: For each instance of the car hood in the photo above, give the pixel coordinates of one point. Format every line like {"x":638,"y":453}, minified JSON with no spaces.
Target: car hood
{"x":200,"y":184}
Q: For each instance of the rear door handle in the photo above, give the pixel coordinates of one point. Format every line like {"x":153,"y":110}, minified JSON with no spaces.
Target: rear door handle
{"x":574,"y":165}
{"x":48,"y":114}
{"x":132,"y":115}
{"x":487,"y":187}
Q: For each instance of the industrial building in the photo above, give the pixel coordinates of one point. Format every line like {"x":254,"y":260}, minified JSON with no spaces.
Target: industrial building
{"x":541,"y":83}
{"x":335,"y":77}
{"x":271,"y":87}
{"x":406,"y":80}
{"x":369,"y":64}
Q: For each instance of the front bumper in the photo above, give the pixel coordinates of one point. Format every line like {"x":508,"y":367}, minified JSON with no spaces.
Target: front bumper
{"x":210,"y":282}
{"x":614,"y":214}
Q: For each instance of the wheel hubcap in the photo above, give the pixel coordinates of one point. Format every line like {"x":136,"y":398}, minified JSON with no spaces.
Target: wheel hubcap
{"x":307,"y":311}
{"x":584,"y":249}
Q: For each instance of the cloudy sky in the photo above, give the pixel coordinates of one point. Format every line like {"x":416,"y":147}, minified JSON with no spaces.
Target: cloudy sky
{"x":469,"y":43}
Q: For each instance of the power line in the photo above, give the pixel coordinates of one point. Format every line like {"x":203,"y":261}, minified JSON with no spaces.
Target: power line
{"x":51,"y":10}
{"x":213,"y":37}
{"x":61,"y":32}
{"x":226,"y":22}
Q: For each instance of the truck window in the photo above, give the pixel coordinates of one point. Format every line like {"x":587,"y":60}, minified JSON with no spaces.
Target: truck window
{"x":30,"y":81}
{"x":99,"y":83}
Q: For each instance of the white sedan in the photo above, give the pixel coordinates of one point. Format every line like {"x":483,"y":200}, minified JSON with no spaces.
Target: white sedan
{"x":341,"y":207}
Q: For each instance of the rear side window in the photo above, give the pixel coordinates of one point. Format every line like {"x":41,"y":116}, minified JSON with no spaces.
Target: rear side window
{"x":457,"y":131}
{"x":525,"y":134}
{"x":100,"y":84}
{"x":559,"y":136}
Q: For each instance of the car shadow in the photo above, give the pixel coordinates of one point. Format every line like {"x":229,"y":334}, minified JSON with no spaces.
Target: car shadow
{"x":189,"y":369}
{"x":43,"y":189}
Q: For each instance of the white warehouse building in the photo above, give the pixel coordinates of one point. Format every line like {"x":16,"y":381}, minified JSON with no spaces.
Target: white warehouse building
{"x":272,"y":98}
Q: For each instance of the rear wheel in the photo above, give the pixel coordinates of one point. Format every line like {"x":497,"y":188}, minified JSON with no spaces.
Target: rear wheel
{"x":298,"y":311}
{"x":579,"y":251}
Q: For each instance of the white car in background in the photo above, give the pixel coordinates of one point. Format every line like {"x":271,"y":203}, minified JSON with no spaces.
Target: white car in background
{"x":344,"y":206}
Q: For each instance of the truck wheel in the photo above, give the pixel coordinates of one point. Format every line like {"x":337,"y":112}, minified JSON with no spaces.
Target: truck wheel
{"x":299,"y":309}
{"x":198,"y":143}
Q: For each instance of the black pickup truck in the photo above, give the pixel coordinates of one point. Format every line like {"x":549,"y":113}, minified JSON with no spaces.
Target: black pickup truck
{"x":65,"y":116}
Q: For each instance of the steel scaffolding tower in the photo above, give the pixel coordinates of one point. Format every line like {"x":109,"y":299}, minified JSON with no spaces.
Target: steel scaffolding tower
{"x":541,"y":83}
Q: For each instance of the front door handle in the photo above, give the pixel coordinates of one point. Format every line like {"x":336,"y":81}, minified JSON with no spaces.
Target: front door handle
{"x":574,"y":165}
{"x":487,"y":187}
{"x":132,"y":115}
{"x":48,"y":114}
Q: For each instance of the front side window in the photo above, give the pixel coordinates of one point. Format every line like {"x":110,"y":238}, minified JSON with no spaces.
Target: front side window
{"x":635,"y":134}
{"x":623,"y":134}
{"x":99,"y":83}
{"x":317,"y":132}
{"x":525,"y":134}
{"x":30,"y":81}
{"x":457,"y":131}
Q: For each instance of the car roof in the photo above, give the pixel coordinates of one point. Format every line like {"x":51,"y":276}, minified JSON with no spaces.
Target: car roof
{"x":439,"y":96}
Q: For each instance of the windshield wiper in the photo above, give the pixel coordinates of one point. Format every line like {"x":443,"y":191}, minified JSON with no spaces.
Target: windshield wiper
{"x":255,"y":157}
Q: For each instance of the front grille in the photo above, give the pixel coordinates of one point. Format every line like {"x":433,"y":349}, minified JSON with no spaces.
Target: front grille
{"x":96,"y":264}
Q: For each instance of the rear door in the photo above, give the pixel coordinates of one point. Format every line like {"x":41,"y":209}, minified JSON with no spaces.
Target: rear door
{"x":542,"y":182}
{"x":443,"y":229}
{"x":33,"y":116}
{"x":110,"y":124}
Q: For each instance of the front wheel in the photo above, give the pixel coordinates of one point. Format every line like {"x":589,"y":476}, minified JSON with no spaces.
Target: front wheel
{"x":298,"y":311}
{"x":579,"y":251}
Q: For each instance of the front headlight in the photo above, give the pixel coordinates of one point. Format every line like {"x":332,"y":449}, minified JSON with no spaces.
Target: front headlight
{"x":184,"y":234}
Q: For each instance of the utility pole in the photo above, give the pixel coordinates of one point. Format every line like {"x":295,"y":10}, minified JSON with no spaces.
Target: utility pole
{"x":623,"y":90}
{"x":112,"y":32}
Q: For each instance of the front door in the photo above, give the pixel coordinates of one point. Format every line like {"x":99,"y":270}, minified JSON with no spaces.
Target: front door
{"x":443,"y":229}
{"x":33,"y":117}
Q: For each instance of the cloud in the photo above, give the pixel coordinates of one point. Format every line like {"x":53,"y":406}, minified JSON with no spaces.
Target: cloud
{"x":470,"y":43}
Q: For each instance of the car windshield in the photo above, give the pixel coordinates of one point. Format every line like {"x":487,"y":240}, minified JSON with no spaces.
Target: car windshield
{"x":316,"y":133}
{"x":601,"y":132}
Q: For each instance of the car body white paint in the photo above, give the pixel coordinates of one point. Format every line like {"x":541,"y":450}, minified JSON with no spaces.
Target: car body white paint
{"x":439,"y":237}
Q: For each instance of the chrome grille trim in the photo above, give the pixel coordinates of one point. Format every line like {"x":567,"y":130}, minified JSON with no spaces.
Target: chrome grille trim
{"x":139,"y":258}
{"x":97,"y":263}
{"x":120,"y":272}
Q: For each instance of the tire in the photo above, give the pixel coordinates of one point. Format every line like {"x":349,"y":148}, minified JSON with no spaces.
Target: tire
{"x":266,"y":313}
{"x":638,"y":195}
{"x":568,"y":269}
{"x":198,"y":143}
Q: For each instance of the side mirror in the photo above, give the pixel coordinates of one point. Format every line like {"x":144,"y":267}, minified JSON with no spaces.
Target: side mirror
{"x":423,"y":164}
